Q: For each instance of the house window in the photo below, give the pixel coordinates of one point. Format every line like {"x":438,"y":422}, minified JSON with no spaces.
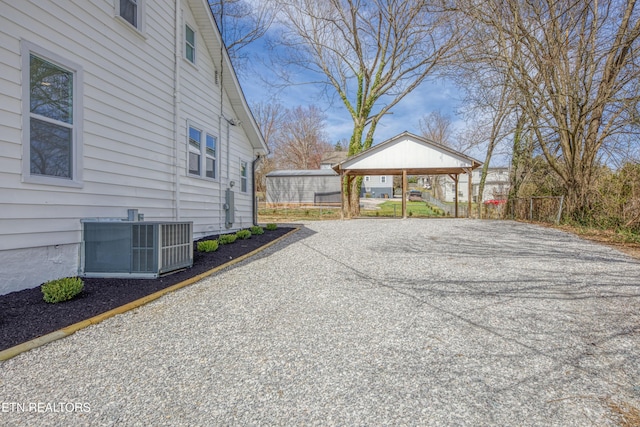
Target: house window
{"x":202,"y":153}
{"x":195,"y":150}
{"x":52,"y":118}
{"x":190,"y":44}
{"x":243,"y":176}
{"x":131,"y":11}
{"x":367,"y":178}
{"x":383,"y":179}
{"x":210,"y":156}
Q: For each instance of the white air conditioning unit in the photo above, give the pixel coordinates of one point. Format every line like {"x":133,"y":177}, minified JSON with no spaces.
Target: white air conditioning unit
{"x":135,"y":249}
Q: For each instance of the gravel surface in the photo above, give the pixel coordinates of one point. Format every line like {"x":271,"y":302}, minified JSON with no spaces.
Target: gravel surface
{"x":24,"y":315}
{"x":363,"y":322}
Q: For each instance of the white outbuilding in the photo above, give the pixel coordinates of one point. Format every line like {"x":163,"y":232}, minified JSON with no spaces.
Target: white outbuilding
{"x":409,"y":154}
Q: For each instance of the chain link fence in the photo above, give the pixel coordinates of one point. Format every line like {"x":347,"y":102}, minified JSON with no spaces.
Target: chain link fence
{"x":541,"y":209}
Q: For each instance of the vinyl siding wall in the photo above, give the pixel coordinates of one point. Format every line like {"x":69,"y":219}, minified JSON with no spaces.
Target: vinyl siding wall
{"x":127,"y":150}
{"x":128,"y":127}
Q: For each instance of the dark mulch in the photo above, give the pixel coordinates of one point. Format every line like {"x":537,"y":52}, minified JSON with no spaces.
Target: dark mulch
{"x":24,"y":315}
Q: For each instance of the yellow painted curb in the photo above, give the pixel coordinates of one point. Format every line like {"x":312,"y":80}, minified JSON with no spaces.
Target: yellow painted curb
{"x":64,"y":332}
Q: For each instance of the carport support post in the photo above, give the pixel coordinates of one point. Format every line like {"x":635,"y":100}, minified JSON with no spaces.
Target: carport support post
{"x":341,"y":194}
{"x":469,"y":196}
{"x":404,"y":193}
{"x":454,"y":177}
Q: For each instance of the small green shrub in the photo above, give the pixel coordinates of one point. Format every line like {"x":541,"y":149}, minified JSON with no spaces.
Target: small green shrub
{"x":256,"y":230}
{"x":59,"y":290}
{"x":208,"y":246}
{"x":243,"y":234}
{"x":271,"y":226}
{"x":226,"y":239}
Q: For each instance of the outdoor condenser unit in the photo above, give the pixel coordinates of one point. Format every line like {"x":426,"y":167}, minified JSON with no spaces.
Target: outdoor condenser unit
{"x":135,"y":249}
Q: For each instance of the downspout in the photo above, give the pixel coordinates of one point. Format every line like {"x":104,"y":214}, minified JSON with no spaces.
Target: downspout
{"x":228,"y":150}
{"x":220,"y":195}
{"x":176,"y":111}
{"x":221,"y":204}
{"x":254,"y":205}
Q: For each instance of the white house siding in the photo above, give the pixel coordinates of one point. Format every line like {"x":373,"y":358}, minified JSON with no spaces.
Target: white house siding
{"x":200,"y":198}
{"x":128,"y":132}
{"x":496,"y":185}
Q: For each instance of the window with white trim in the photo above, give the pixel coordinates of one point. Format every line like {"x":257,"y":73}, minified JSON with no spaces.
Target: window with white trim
{"x":52,"y":118}
{"x":189,"y":44}
{"x":243,"y":176}
{"x":201,"y":160}
{"x":210,"y":156}
{"x":383,"y":179}
{"x":195,"y":150}
{"x":367,"y":178}
{"x":131,"y":11}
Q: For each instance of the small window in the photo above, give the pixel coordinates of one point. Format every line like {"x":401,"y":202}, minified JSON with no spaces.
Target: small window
{"x":190,"y":44}
{"x":131,"y":11}
{"x":243,"y":176}
{"x":52,"y":118}
{"x":210,"y":156}
{"x":202,"y":148}
{"x":195,"y":137}
{"x":383,"y":179}
{"x":366,"y":179}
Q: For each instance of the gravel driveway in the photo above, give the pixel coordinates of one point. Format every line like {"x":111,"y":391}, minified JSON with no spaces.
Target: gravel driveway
{"x":362,"y":322}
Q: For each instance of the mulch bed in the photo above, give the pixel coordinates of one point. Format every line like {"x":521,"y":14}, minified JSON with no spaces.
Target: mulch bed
{"x":24,"y":315}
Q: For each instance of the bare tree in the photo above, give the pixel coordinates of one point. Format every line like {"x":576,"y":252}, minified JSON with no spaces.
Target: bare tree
{"x":572,"y":67}
{"x":241,"y":23}
{"x":436,"y":127}
{"x":491,"y":108}
{"x":270,"y":118}
{"x":370,"y":53}
{"x":302,"y":141}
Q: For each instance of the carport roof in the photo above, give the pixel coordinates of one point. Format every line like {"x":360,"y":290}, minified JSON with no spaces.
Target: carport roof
{"x":410,"y":153}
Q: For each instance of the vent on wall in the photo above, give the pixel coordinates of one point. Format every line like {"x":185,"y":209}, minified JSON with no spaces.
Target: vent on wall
{"x":135,"y":249}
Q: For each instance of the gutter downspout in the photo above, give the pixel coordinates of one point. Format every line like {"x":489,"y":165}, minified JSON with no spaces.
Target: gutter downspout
{"x":176,"y":111}
{"x":221,"y":204}
{"x":254,"y":203}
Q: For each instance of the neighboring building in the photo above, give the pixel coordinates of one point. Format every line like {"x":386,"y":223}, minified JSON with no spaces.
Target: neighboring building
{"x":496,"y":186}
{"x":320,"y":186}
{"x":112,"y":105}
{"x":377,"y":186}
{"x":303,"y":187}
{"x":372,"y":186}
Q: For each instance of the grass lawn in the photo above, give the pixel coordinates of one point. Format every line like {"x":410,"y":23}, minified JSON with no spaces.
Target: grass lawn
{"x":282,"y":214}
{"x":394,"y":208}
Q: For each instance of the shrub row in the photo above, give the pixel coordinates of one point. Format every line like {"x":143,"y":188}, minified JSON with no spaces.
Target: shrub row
{"x":225,"y":239}
{"x":64,"y":289}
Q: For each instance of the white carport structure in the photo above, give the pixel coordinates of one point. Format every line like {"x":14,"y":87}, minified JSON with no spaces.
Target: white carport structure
{"x":408,"y":154}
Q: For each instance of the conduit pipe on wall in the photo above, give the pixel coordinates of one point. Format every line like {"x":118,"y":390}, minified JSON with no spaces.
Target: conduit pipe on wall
{"x":254,"y":202}
{"x":176,"y":111}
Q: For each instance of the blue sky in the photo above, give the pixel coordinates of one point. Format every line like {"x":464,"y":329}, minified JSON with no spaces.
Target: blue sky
{"x":430,"y":96}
